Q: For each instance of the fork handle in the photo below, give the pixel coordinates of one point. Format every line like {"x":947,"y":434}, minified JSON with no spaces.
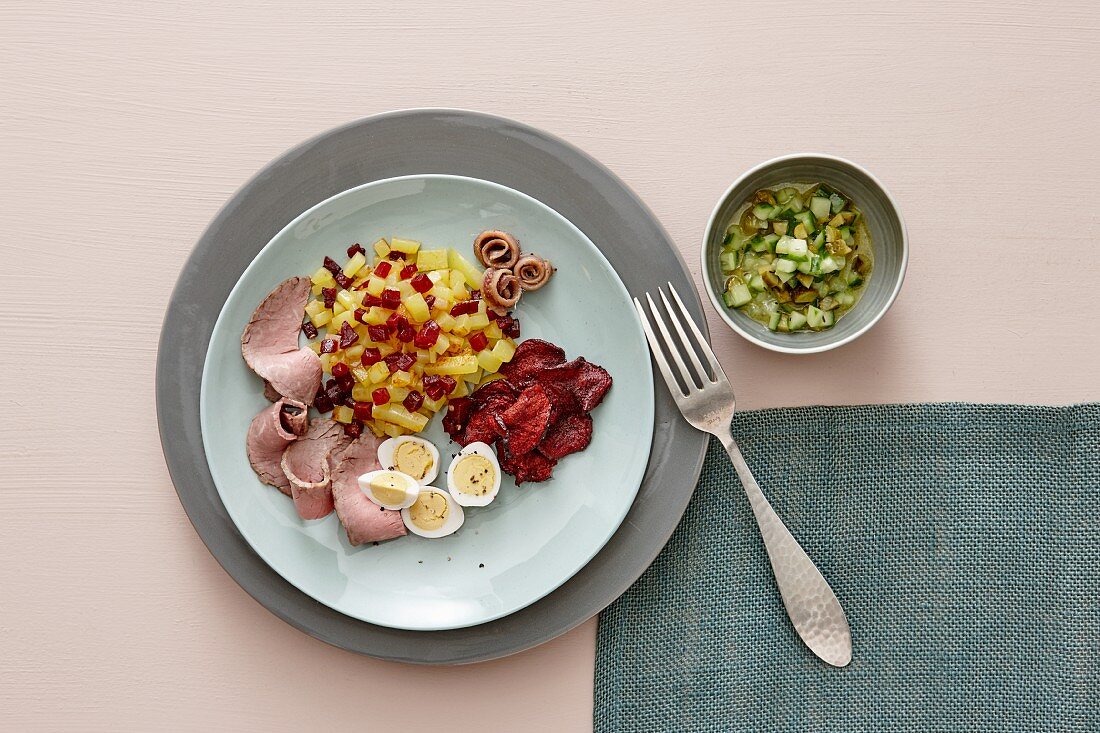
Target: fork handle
{"x":810,"y":602}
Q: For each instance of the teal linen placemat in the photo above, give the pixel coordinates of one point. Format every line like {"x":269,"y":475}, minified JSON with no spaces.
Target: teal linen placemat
{"x":961,"y":539}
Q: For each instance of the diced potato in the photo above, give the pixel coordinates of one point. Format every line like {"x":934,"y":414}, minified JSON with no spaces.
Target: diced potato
{"x":433,"y":357}
{"x":441,"y":292}
{"x":393,"y":431}
{"x":503,"y":350}
{"x":462,"y":390}
{"x":378,"y":372}
{"x":375,"y":285}
{"x":354,"y":353}
{"x":326,"y":362}
{"x":441,"y":344}
{"x":457,"y":282}
{"x":343,"y":413}
{"x":488,"y":361}
{"x":321,"y":318}
{"x":477,"y":321}
{"x":360,"y":373}
{"x":405,"y":288}
{"x":470,"y":273}
{"x":417,"y":307}
{"x":316,"y":290}
{"x":381,"y":248}
{"x":314,"y":307}
{"x":339,"y":319}
{"x":434,"y":405}
{"x":461,"y":326}
{"x":408,"y":246}
{"x":432,"y":259}
{"x":338,"y":308}
{"x":463,"y":364}
{"x":446,"y":322}
{"x":474,"y":377}
{"x":355,"y":264}
{"x":376,"y":316}
{"x":421,"y":356}
{"x":398,"y":415}
{"x":493,"y":331}
{"x":398,"y":394}
{"x":360,"y":392}
{"x":323,"y":278}
{"x":385,"y":349}
{"x":491,"y":378}
{"x":315,"y":345}
{"x":350,"y":300}
{"x":401,"y":378}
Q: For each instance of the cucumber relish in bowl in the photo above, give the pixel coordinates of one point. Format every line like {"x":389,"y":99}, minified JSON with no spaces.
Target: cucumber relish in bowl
{"x":796,"y":257}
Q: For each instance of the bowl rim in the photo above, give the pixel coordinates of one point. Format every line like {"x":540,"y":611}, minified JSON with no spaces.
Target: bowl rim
{"x":721,"y":308}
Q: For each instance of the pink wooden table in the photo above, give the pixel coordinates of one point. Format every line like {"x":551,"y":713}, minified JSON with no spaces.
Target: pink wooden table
{"x":124,"y":126}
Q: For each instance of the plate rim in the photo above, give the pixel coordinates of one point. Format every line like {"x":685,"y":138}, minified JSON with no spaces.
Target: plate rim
{"x":635,"y":482}
{"x":176,"y":407}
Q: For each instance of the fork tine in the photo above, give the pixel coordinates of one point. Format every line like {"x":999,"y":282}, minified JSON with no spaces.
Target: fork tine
{"x":703,"y":374}
{"x":673,"y":348}
{"x":658,"y":355}
{"x":719,"y":374}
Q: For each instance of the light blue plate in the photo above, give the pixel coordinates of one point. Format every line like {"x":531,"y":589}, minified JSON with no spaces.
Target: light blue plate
{"x":532,"y":538}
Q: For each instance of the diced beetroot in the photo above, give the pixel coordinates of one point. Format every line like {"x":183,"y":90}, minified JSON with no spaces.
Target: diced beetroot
{"x":322,"y":403}
{"x":465,"y":308}
{"x":527,"y":420}
{"x":353,"y":430}
{"x":329,"y":296}
{"x":359,"y":314}
{"x":348,"y":335}
{"x":430,"y":300}
{"x":346,"y":382}
{"x":362,"y":410}
{"x":405,"y":362}
{"x":371,"y":356}
{"x":475,"y":295}
{"x":394,"y":255}
{"x":406,"y":334}
{"x":372,"y":300}
{"x":335,"y":394}
{"x":458,"y":414}
{"x":328,"y":346}
{"x":332,"y":265}
{"x":378,"y":333}
{"x":330,"y":384}
{"x":413,"y":401}
{"x":408,"y":271}
{"x":427,"y":335}
{"x":509,"y":326}
{"x":571,"y":434}
{"x":391,"y":360}
{"x":342,"y":280}
{"x":309,"y":330}
{"x":353,"y":249}
{"x":340,"y":369}
{"x":397,"y":321}
{"x":449,"y":384}
{"x":382,"y":269}
{"x":435,"y":391}
{"x":349,"y":402}
{"x":478,"y":341}
{"x":391,"y":299}
{"x":380,"y":396}
{"x":421,"y":283}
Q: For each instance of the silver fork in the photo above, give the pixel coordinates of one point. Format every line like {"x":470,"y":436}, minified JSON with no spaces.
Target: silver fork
{"x":707,"y":402}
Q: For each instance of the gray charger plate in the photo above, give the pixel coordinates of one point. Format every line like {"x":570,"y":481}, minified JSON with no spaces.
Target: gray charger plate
{"x":384,"y":146}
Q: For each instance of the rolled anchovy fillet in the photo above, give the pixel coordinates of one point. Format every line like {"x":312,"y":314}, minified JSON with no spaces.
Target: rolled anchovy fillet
{"x":496,"y":249}
{"x":500,"y":288}
{"x":532,"y":271}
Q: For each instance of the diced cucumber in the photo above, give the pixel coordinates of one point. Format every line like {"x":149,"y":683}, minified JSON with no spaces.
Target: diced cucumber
{"x":836,"y":204}
{"x":784,"y":276}
{"x":820,"y":206}
{"x":784,"y":324}
{"x":827,"y":319}
{"x":739,"y":295}
{"x":763,"y":212}
{"x":807,"y":220}
{"x":785,"y":265}
{"x":845,"y":299}
{"x":773,"y":322}
{"x":797,"y":249}
{"x":805,"y":267}
{"x":784,"y":195}
{"x":828,"y":264}
{"x":735,"y":238}
{"x":729,"y":260}
{"x":771,"y":239}
{"x":759,"y":245}
{"x":854,"y":279}
{"x":819,"y":240}
{"x":781,"y":245}
{"x":845,"y":232}
{"x":796,"y":204}
{"x":815,"y":317}
{"x":797,"y":321}
{"x":757,"y":283}
{"x":727,"y":299}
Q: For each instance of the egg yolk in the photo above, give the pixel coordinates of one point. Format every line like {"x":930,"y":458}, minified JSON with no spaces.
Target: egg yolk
{"x":388,"y":488}
{"x":412,"y":458}
{"x":430,"y":510}
{"x":474,"y":475}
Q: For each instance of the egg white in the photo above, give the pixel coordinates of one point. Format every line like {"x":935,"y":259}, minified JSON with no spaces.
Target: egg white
{"x":481,"y":449}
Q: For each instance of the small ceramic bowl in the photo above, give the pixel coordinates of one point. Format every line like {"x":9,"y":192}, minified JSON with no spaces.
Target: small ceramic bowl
{"x":890,"y":246}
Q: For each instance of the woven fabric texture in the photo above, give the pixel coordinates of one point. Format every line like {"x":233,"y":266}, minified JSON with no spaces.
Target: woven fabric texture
{"x":962,"y":541}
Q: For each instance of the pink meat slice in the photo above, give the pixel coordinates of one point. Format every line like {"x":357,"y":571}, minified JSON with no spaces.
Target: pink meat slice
{"x":272,"y":430}
{"x":270,"y":343}
{"x":306,"y":466}
{"x":363,"y":520}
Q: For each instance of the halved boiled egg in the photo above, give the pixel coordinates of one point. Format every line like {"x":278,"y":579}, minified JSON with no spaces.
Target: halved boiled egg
{"x":433,"y":514}
{"x":410,"y":455}
{"x":474,"y":475}
{"x":389,"y":489}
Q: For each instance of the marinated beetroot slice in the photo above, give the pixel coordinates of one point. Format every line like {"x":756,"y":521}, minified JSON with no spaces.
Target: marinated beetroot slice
{"x":527,"y":420}
{"x":532,"y":356}
{"x":562,"y":400}
{"x":484,"y":426}
{"x":533,"y":467}
{"x":496,"y":388}
{"x":458,"y":414}
{"x":587,"y":381}
{"x":571,"y":434}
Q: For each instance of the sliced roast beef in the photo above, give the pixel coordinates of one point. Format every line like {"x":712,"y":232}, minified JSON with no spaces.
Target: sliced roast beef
{"x":270,"y":393}
{"x":306,"y":466}
{"x":363,"y":520}
{"x":270,"y":343}
{"x":271,"y":431}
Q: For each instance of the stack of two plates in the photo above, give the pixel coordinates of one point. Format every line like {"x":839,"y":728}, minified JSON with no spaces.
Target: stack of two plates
{"x":542,"y":558}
